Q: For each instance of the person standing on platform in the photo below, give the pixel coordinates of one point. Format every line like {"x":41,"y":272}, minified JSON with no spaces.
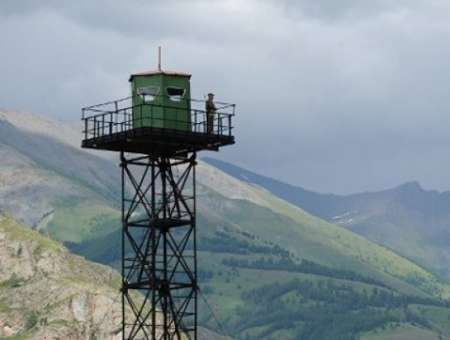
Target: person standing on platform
{"x":210,"y":109}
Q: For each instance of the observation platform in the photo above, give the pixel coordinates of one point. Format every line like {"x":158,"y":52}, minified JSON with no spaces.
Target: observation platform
{"x":121,"y":126}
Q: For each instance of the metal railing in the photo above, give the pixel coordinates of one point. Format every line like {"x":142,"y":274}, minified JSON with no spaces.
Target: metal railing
{"x":119,"y":116}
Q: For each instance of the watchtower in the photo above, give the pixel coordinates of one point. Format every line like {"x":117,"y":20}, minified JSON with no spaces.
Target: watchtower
{"x":158,"y":131}
{"x":168,"y":92}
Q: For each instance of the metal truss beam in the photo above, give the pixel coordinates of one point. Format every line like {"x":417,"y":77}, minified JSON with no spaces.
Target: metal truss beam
{"x":159,"y":259}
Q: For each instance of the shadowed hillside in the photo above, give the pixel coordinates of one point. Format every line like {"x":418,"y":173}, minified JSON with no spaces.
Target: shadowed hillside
{"x":408,"y":219}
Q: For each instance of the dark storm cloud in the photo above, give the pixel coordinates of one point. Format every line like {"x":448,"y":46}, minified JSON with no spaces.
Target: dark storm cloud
{"x":334,"y":95}
{"x":194,"y":20}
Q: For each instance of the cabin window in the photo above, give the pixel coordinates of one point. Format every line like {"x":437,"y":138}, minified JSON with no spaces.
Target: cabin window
{"x":175,"y":93}
{"x":148,"y":93}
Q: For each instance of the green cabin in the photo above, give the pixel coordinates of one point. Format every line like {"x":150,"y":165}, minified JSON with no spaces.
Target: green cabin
{"x":161,"y":99}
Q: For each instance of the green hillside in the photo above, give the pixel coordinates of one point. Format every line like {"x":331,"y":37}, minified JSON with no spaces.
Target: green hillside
{"x":267,"y":273}
{"x":413,"y":221}
{"x":291,"y":275}
{"x":78,"y":220}
{"x":269,"y":269}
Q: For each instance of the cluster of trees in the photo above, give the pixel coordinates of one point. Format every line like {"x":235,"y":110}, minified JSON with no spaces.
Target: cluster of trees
{"x":223,"y":242}
{"x":305,"y":266}
{"x":204,"y":276}
{"x":323,"y":310}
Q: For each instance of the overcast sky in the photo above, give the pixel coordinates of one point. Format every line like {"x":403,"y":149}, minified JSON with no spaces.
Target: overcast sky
{"x":336,"y":96}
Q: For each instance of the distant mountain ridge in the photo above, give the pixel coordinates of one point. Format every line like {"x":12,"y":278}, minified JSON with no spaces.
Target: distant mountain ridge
{"x":408,"y":219}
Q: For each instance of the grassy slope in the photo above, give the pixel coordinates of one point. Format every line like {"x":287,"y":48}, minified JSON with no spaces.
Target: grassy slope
{"x":312,"y":238}
{"x":401,"y":332}
{"x":88,"y":222}
{"x":409,"y":219}
{"x":305,"y":237}
{"x":226,"y":288}
{"x":76,"y":220}
{"x":54,"y":177}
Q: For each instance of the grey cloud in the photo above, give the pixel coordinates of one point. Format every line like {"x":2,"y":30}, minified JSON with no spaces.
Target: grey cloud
{"x":190,"y":20}
{"x":343,"y":9}
{"x":24,"y":7}
{"x":337,"y":99}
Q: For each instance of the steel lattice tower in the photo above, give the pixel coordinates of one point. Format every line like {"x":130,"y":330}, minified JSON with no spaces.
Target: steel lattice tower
{"x":159,"y":253}
{"x":158,"y":144}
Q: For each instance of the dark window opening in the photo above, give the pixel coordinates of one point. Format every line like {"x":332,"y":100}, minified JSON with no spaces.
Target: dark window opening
{"x":175,"y":93}
{"x":148,"y":93}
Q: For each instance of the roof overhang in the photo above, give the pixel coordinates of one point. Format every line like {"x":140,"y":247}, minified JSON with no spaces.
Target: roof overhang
{"x":165,"y":73}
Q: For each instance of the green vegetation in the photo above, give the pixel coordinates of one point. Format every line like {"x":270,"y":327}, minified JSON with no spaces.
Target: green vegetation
{"x":272,"y":271}
{"x":402,"y":331}
{"x":22,"y":336}
{"x":76,"y":220}
{"x":409,"y":219}
{"x":265,"y":294}
{"x":280,"y":273}
{"x":32,"y":320}
{"x":305,"y":266}
{"x":25,"y":234}
{"x":13,"y":282}
{"x":306,"y":307}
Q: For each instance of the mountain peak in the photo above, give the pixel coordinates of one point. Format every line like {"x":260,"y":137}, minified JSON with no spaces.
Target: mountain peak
{"x":411,"y":186}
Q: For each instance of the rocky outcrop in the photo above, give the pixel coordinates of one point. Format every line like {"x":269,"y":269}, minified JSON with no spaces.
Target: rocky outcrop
{"x":48,"y":293}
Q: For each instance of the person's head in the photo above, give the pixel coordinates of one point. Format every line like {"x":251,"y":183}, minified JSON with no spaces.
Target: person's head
{"x":210,"y":96}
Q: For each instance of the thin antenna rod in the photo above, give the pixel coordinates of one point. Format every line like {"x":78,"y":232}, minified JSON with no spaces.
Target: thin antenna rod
{"x":159,"y":58}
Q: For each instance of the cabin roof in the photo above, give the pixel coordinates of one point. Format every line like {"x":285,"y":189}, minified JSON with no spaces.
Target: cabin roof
{"x":157,"y":72}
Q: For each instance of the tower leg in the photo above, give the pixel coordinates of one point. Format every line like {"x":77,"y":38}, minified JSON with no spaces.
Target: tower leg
{"x":159,"y":259}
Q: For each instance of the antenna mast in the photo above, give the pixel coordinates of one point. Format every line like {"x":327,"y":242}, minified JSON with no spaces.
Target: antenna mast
{"x":159,"y":58}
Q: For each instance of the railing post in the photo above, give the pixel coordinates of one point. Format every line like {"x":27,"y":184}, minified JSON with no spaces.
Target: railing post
{"x":85,"y":127}
{"x":116,"y":115}
{"x":229,"y":125}
{"x":103,"y":124}
{"x":129,"y":117}
{"x":111,"y":123}
{"x":195,"y":120}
